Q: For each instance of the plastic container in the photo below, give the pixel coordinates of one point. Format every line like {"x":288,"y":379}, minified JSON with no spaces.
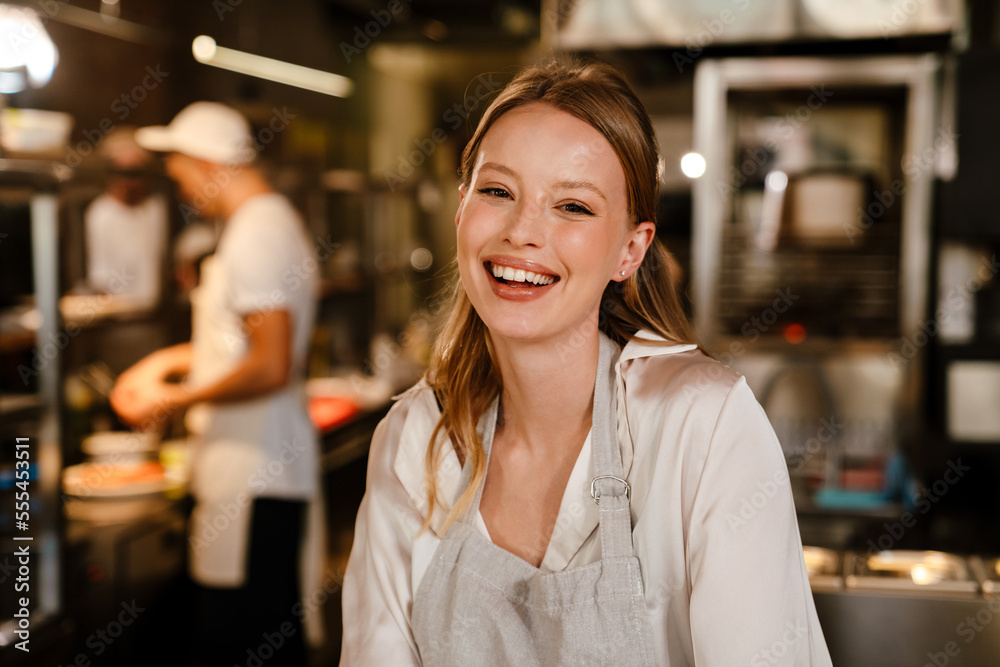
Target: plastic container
{"x":34,"y":131}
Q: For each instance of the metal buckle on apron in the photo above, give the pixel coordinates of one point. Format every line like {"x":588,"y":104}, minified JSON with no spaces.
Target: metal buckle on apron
{"x":593,"y":487}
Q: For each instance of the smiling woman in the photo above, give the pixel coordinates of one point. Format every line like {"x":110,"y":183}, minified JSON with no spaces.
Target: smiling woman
{"x":540,"y":162}
{"x":566,"y":374}
{"x":518,"y":214}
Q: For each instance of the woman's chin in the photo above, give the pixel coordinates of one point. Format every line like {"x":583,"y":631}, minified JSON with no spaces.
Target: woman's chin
{"x":513,"y":331}
{"x":515,"y":328}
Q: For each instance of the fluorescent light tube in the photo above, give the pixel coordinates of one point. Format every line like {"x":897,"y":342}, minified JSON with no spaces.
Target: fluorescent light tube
{"x":208,"y":52}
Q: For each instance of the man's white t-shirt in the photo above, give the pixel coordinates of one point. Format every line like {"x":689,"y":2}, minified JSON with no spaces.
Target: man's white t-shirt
{"x":265,"y":446}
{"x":125,"y":247}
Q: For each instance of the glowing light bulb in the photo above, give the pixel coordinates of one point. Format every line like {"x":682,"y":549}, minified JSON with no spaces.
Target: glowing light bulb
{"x":777,"y":181}
{"x":693,"y":165}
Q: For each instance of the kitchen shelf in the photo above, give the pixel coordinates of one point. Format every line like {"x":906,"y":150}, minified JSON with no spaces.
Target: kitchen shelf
{"x":814,"y":345}
{"x":971,"y":351}
{"x":92,"y":310}
{"x":37,"y":174}
{"x":973,"y":445}
{"x":13,"y":406}
{"x":889,"y":511}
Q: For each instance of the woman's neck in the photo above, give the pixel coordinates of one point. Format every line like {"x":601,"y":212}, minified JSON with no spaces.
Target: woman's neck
{"x":548,"y":388}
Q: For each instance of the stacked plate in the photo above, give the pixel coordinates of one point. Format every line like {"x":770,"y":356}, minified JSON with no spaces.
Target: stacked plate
{"x":120,"y":464}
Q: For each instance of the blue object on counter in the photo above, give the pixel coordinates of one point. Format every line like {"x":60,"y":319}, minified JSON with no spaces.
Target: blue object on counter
{"x":842,"y":499}
{"x":900,"y":484}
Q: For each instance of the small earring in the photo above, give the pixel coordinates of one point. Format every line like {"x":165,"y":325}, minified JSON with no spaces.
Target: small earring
{"x":623,"y":273}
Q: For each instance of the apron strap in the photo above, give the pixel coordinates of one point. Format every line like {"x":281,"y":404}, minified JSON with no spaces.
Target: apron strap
{"x":608,"y":472}
{"x":609,"y":488}
{"x":487,"y":428}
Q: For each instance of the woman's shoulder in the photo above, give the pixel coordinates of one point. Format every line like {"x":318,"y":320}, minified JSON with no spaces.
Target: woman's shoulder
{"x":658,"y":370}
{"x":679,"y":402}
{"x":413,"y":412}
{"x":398,"y":454}
{"x":400,"y":441}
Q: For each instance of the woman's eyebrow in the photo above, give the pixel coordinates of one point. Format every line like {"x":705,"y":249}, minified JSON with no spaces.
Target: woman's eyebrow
{"x":496,"y":166}
{"x":581,"y":185}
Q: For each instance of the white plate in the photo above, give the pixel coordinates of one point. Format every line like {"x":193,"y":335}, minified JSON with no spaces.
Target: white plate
{"x":121,"y":444}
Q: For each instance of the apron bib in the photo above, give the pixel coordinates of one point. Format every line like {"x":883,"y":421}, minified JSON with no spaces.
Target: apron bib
{"x":479,"y":604}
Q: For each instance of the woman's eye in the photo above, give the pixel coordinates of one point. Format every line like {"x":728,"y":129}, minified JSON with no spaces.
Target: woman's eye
{"x":576,"y":208}
{"x":494,"y":192}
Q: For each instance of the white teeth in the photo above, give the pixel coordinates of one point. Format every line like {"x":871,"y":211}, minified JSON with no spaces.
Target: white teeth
{"x":520,"y":275}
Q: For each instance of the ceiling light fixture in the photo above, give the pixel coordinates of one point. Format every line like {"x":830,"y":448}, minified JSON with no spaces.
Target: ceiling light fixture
{"x":27,"y":54}
{"x":206,"y":51}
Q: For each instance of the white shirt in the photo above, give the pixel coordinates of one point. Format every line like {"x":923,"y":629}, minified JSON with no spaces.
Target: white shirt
{"x":265,"y":446}
{"x":724,"y":585}
{"x":125,"y":247}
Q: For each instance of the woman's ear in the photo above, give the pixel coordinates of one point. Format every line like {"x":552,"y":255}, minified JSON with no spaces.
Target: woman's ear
{"x":461,"y":200}
{"x":637,"y":243}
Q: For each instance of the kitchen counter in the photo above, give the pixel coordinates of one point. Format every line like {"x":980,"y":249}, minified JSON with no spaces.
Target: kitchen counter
{"x":863,"y":628}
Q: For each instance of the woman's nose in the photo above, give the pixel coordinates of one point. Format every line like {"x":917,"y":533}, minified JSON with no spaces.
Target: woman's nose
{"x":525,"y":225}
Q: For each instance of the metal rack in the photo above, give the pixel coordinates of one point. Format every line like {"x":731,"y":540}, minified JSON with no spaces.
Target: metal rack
{"x":843,"y":292}
{"x":40,"y":181}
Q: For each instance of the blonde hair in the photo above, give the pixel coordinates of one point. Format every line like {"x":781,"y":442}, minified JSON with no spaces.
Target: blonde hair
{"x":463,"y":372}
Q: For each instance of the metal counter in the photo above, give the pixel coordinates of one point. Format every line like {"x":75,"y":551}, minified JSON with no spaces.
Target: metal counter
{"x":886,"y":630}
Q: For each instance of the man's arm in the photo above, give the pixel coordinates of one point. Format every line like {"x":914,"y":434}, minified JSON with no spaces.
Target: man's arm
{"x":143,"y":393}
{"x":265,"y":368}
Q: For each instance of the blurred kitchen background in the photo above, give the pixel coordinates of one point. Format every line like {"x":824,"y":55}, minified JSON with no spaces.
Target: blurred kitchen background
{"x":829,"y":187}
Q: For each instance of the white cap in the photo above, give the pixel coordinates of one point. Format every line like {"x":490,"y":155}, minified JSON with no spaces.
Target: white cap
{"x":205,"y":130}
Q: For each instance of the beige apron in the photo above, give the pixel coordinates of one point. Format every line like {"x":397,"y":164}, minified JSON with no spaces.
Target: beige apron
{"x":479,"y":604}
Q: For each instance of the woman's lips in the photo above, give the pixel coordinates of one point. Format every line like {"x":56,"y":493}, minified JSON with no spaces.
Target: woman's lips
{"x":516,"y":269}
{"x":523,"y":284}
{"x":511,"y":275}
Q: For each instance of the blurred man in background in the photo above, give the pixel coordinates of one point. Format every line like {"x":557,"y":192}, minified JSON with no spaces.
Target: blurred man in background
{"x":255,"y":469}
{"x":126,"y":227}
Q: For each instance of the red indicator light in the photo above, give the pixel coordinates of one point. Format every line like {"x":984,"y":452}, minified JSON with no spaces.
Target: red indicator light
{"x":795,"y":333}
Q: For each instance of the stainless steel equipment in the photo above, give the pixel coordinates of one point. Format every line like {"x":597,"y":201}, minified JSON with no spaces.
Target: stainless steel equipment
{"x":987,"y":572}
{"x":917,"y":572}
{"x":693,"y":26}
{"x":892,"y":629}
{"x":906,"y":607}
{"x":810,"y":248}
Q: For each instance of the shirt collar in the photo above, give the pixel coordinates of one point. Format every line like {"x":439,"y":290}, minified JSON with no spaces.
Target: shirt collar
{"x":645,"y":343}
